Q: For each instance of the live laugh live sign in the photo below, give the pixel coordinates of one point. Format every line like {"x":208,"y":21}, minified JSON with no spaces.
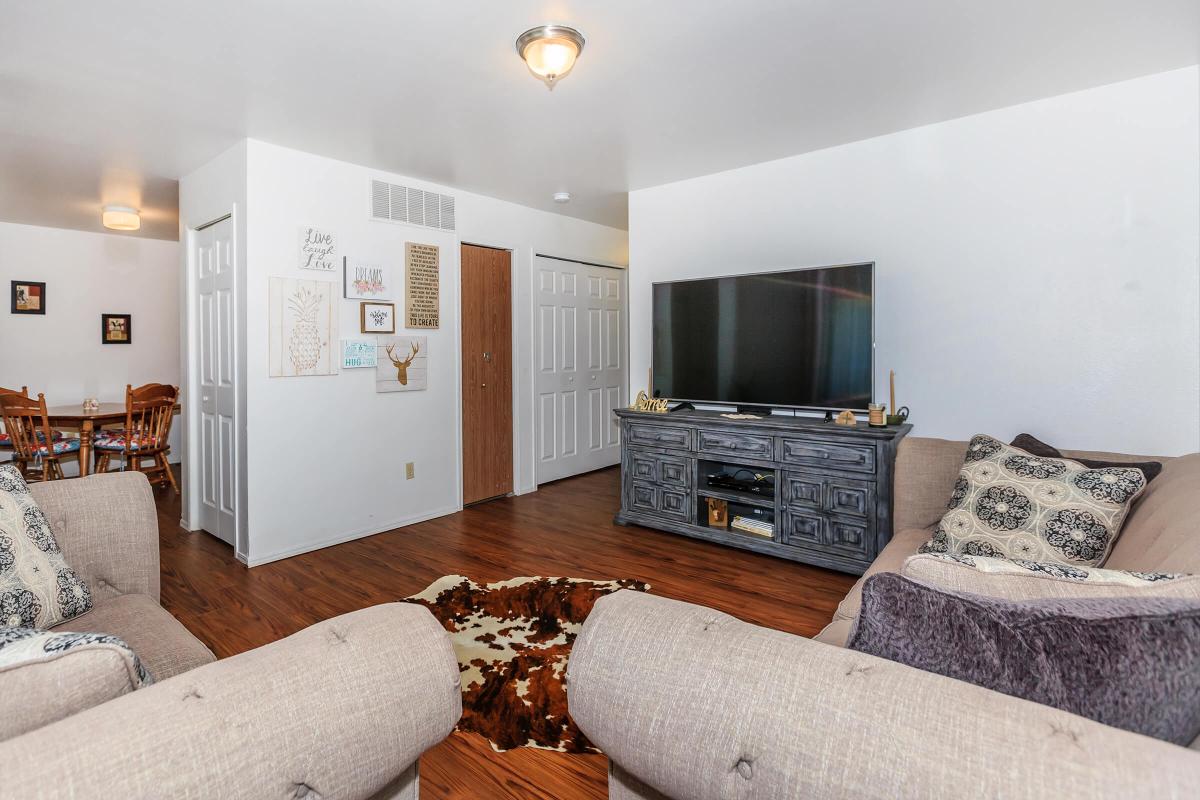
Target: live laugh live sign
{"x":421,"y":304}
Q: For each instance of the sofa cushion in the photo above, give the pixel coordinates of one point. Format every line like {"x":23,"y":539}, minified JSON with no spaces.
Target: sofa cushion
{"x":163,"y":644}
{"x":890,"y":559}
{"x":1162,"y":533}
{"x":1132,"y":663}
{"x":1018,"y":579}
{"x":1011,"y":504}
{"x":38,"y":588}
{"x":46,"y":676}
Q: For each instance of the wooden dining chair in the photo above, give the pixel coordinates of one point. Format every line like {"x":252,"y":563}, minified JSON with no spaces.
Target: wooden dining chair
{"x":5,"y":439}
{"x":35,"y":450}
{"x":149,"y":410}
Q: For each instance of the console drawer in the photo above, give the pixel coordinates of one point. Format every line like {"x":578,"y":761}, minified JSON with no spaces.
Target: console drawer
{"x":728,"y":443}
{"x":661,"y":435}
{"x":852,"y":457}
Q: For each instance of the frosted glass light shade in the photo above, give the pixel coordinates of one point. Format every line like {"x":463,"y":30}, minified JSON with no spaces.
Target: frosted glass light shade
{"x":550,"y":51}
{"x":121,"y":218}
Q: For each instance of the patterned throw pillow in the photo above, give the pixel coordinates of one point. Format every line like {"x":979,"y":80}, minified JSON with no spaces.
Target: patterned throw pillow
{"x":37,"y":587}
{"x":1019,"y":579}
{"x":1008,"y":503}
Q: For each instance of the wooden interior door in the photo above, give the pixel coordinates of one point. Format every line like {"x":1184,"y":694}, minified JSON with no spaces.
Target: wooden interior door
{"x":486,"y":373}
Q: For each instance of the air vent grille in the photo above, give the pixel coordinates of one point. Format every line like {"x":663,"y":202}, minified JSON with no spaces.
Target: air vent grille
{"x":396,"y":203}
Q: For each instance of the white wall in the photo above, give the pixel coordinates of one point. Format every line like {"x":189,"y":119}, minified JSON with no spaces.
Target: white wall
{"x":327,"y":454}
{"x":209,"y":193}
{"x":86,"y":275}
{"x":1038,"y":267}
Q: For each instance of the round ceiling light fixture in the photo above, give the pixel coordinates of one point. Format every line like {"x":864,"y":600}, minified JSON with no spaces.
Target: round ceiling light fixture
{"x":121,"y":218}
{"x":550,"y":51}
{"x":562,"y":197}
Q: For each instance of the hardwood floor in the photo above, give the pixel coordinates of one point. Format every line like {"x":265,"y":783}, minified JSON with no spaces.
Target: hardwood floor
{"x":564,"y":529}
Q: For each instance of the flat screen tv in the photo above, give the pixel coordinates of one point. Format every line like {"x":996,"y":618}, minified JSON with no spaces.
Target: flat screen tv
{"x":800,"y":338}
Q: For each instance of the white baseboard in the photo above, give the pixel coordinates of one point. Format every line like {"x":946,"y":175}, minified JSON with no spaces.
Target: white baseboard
{"x":351,"y":536}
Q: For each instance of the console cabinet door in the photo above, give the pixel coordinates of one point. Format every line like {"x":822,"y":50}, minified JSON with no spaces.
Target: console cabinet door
{"x":801,"y":528}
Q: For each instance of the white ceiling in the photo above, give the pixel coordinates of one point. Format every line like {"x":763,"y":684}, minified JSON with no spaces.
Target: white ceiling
{"x":105,"y":99}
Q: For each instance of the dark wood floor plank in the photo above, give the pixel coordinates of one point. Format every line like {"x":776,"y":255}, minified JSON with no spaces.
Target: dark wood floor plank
{"x":564,"y":529}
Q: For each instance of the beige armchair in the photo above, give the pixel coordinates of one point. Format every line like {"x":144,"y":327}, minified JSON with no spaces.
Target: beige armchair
{"x":343,"y":709}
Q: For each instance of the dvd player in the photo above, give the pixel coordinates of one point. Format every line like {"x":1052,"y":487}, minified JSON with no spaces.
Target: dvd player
{"x":763,"y":485}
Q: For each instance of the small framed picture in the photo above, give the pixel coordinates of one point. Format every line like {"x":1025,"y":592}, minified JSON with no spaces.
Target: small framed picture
{"x":378,"y":317}
{"x":28,"y":297}
{"x":116,"y":328}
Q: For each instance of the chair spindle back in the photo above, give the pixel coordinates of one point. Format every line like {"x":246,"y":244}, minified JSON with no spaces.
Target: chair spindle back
{"x":149,"y":410}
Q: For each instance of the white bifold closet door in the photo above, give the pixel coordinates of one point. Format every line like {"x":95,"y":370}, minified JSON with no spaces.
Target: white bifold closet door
{"x":580,"y":331}
{"x":217,"y":370}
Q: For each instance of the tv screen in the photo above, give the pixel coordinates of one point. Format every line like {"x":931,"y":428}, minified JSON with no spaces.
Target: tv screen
{"x":801,"y":338}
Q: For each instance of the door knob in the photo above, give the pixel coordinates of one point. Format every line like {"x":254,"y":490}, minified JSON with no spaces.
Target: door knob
{"x":483,"y":386}
{"x":570,"y":380}
{"x":487,"y":356}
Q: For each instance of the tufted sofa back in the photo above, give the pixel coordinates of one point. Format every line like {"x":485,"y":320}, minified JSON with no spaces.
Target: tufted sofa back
{"x":1161,"y":534}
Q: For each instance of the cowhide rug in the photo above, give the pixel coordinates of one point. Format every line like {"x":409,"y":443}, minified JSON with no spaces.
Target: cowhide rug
{"x":512,"y":640}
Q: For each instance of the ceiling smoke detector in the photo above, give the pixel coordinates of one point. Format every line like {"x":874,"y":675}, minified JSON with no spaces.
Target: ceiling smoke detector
{"x":562,"y":197}
{"x":550,"y":51}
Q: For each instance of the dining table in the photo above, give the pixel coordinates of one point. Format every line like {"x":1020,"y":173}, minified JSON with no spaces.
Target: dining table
{"x":87,"y":421}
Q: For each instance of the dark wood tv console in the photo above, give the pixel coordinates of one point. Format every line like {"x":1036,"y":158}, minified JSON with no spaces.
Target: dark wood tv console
{"x":832,"y":499}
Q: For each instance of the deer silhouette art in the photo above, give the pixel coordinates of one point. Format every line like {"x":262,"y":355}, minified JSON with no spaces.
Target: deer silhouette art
{"x":402,"y":364}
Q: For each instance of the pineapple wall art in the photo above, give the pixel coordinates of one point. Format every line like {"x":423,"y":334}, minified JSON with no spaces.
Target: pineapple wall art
{"x":303,"y":327}
{"x":402,"y":363}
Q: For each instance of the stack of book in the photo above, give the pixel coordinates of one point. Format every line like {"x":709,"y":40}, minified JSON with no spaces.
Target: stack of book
{"x":753,"y":526}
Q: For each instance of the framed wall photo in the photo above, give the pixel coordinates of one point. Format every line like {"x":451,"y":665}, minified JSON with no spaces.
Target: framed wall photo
{"x":378,"y":317}
{"x":116,"y":328}
{"x":28,"y":297}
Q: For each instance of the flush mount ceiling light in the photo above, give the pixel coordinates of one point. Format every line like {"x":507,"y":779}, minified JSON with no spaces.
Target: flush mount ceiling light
{"x":550,"y":51}
{"x":121,"y":218}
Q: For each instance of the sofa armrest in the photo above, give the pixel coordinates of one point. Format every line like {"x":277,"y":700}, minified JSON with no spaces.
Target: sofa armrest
{"x":696,"y":704}
{"x":107,"y":527}
{"x":338,"y":710}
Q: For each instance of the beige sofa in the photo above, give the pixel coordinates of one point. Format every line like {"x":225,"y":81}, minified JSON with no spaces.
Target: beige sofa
{"x":342,"y":709}
{"x":690,"y":703}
